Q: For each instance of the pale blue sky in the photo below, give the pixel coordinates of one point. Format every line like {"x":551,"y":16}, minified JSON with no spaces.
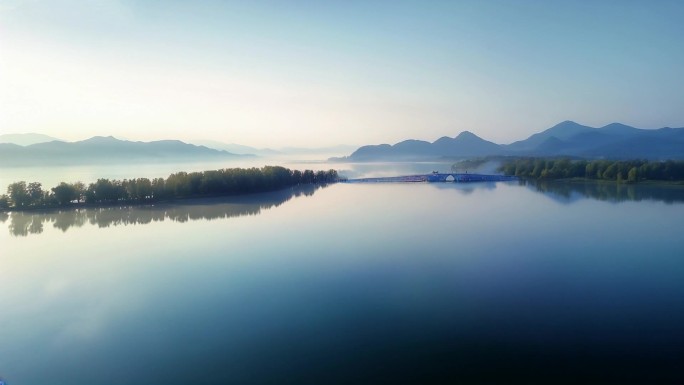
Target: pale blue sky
{"x":312,"y":73}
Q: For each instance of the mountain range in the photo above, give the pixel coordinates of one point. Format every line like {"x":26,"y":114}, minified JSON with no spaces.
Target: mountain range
{"x":613,"y":141}
{"x":103,"y":150}
{"x":26,"y":139}
{"x":233,"y":148}
{"x":247,"y":150}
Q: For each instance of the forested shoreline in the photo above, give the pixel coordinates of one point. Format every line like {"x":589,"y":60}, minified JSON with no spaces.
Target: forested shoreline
{"x":621,"y":171}
{"x":181,"y":185}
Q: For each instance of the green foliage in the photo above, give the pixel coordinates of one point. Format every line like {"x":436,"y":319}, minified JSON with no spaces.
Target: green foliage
{"x":65,"y":193}
{"x":630,"y":171}
{"x":4,"y":202}
{"x":633,"y":175}
{"x":610,"y":172}
{"x":35,"y":192}
{"x":178,"y":185}
{"x":18,"y":194}
{"x":105,"y":190}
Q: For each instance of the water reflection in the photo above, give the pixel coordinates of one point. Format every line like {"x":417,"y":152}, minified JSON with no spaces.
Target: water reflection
{"x":466,"y":188}
{"x":383,"y":169}
{"x":360,"y":284}
{"x":568,"y":192}
{"x":22,"y":224}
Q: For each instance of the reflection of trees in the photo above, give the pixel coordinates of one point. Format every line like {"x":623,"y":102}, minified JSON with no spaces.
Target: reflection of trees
{"x":22,"y":224}
{"x":25,"y":223}
{"x":613,"y":192}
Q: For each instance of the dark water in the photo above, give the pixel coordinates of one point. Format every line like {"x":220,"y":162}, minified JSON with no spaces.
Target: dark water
{"x":417,"y":283}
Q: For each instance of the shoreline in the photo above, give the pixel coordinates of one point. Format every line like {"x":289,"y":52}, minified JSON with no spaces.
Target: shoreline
{"x":179,"y":186}
{"x":661,"y":183}
{"x":180,"y":201}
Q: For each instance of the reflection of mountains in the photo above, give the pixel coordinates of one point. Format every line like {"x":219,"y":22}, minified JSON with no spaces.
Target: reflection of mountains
{"x":567,"y":192}
{"x":25,"y":223}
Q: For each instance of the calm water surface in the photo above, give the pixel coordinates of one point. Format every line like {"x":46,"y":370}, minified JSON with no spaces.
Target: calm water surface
{"x":351,"y":283}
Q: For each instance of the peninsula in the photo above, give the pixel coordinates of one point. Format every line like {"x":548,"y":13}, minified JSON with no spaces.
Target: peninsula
{"x":181,"y":185}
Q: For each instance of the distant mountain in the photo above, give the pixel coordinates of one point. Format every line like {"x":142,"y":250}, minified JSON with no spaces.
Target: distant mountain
{"x":466,"y":144}
{"x":562,"y":131}
{"x":26,"y":139}
{"x":235,"y":148}
{"x":339,"y":149}
{"x":103,"y":150}
{"x":246,"y":150}
{"x":613,"y":141}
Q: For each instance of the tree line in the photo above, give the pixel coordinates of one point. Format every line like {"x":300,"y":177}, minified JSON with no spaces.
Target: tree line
{"x":22,"y":223}
{"x":233,"y":181}
{"x":631,"y":171}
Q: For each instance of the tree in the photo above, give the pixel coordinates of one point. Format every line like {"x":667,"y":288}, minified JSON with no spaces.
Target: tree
{"x":80,"y":190}
{"x":297,"y":176}
{"x":18,"y":194}
{"x":610,"y":172}
{"x":65,"y":193}
{"x":538,"y":168}
{"x":35,"y":191}
{"x":4,"y":202}
{"x":105,"y":190}
{"x":590,"y":170}
{"x":158,"y":188}
{"x":626,"y":170}
{"x":308,"y":176}
{"x":178,"y":185}
{"x":143,"y":188}
{"x":632,"y":175}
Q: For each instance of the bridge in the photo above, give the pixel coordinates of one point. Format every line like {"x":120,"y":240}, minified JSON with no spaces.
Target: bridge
{"x":436,"y":177}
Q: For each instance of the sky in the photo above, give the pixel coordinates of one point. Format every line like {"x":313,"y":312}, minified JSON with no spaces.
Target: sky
{"x":319,"y":73}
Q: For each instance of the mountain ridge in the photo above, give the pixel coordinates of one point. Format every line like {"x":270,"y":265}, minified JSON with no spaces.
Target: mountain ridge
{"x":27,"y":139}
{"x":102,"y":150}
{"x":567,"y":138}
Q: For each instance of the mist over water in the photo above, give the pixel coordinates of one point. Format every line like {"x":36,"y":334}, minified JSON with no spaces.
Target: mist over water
{"x":51,"y":176}
{"x":405,"y":283}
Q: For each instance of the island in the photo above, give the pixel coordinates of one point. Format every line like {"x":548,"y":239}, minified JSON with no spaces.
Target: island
{"x":181,"y":185}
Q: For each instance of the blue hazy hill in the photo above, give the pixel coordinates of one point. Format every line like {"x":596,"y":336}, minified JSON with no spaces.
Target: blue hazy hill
{"x":465,"y":144}
{"x":613,"y":141}
{"x":103,"y":150}
{"x":26,"y":139}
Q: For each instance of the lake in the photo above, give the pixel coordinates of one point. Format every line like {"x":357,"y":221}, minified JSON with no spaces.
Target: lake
{"x":351,"y":284}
